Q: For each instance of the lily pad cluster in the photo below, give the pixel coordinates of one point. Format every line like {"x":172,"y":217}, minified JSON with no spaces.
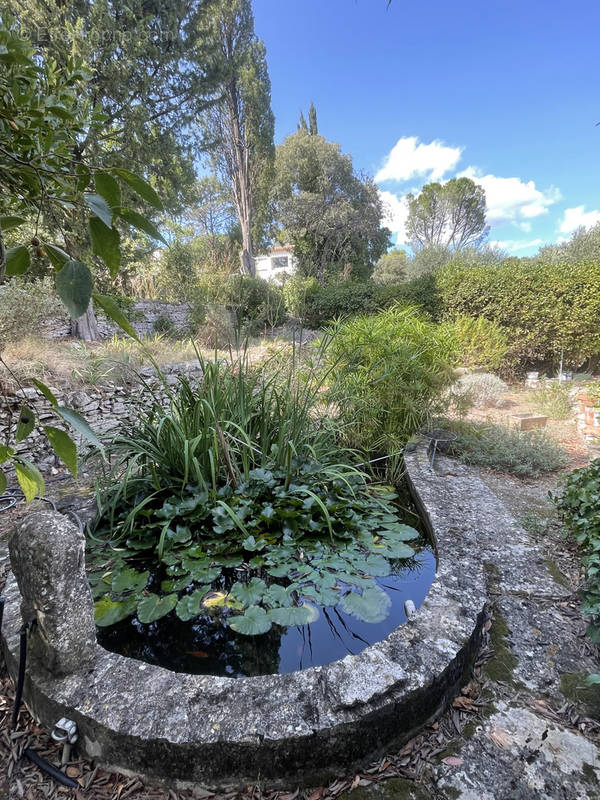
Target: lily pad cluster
{"x":268,"y":551}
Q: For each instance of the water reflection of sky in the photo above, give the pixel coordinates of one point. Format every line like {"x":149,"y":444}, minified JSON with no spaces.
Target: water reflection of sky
{"x":205,"y":647}
{"x":335,"y":634}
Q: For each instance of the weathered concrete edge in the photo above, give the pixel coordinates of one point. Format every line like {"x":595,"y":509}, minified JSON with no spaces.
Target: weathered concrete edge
{"x":184,"y":728}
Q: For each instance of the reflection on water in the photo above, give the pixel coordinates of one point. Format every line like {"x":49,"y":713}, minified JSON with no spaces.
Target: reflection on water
{"x":209,"y":647}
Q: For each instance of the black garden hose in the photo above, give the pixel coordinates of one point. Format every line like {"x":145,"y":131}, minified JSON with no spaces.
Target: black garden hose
{"x":21,"y":677}
{"x":50,"y":769}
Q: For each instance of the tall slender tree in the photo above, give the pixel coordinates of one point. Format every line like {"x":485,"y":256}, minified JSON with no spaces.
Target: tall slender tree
{"x":242,"y":123}
{"x":313,"y":128}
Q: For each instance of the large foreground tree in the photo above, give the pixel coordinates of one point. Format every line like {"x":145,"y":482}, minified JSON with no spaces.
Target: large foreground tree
{"x":242,"y":124}
{"x":448,"y":216}
{"x":331,"y":215}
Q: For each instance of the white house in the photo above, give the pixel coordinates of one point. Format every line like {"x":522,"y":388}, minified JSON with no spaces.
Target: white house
{"x":279,"y":263}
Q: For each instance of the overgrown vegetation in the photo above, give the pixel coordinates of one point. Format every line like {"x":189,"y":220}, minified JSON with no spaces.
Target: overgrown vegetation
{"x":578,"y":503}
{"x":388,"y":376}
{"x":526,"y":455}
{"x":238,"y":496}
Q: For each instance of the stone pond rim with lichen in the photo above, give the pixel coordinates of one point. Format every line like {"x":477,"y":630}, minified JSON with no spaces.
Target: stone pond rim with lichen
{"x":305,"y":725}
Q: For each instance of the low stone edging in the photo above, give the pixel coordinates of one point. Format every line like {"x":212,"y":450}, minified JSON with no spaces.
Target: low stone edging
{"x":309,"y":724}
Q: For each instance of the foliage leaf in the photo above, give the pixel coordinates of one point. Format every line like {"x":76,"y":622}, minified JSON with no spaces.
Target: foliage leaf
{"x":74,"y":285}
{"x":63,"y":446}
{"x":25,"y":424}
{"x":48,"y":394}
{"x":154,"y":607}
{"x":2,"y":482}
{"x":108,"y":188}
{"x":190,"y":605}
{"x":250,"y":593}
{"x":252,"y":622}
{"x":30,"y":479}
{"x":18,"y":260}
{"x":80,"y":425}
{"x":141,"y":223}
{"x":371,"y":606}
{"x":112,"y":310}
{"x":294,"y":615}
{"x":106,"y":244}
{"x":139,"y":186}
{"x":129,"y":580}
{"x":56,"y":255}
{"x":109,"y":612}
{"x":99,"y":206}
{"x":7,"y":223}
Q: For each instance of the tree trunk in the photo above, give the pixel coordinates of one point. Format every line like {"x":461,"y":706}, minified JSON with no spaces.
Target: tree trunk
{"x":248,"y":266}
{"x":86,"y":327}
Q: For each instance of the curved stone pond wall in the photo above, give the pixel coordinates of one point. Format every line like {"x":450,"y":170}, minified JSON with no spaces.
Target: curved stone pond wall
{"x":184,"y":728}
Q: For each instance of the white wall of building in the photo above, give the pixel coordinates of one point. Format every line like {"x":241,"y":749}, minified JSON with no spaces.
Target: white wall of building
{"x":275,"y":265}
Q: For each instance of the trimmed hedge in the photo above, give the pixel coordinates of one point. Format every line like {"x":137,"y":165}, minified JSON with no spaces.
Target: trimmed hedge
{"x":544,"y":308}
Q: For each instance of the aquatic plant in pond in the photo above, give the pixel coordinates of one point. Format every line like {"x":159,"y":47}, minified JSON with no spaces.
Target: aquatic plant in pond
{"x":236,"y":501}
{"x":265,"y":552}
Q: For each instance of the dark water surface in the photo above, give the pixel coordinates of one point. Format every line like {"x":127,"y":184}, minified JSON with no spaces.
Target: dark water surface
{"x":209,"y":647}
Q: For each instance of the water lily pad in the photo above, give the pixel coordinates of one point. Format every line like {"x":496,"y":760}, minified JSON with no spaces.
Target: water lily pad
{"x":190,"y":606}
{"x":154,"y":607}
{"x":252,"y":622}
{"x":249,"y":593}
{"x":129,"y":580}
{"x":294,"y":615}
{"x":373,"y":605}
{"x":277,"y":595}
{"x":109,"y":612}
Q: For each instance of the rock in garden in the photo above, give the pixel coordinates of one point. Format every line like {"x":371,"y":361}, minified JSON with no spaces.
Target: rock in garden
{"x":47,"y":553}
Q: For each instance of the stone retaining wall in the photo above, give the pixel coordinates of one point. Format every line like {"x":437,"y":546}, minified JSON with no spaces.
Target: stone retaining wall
{"x":144,"y":317}
{"x":103,"y":407}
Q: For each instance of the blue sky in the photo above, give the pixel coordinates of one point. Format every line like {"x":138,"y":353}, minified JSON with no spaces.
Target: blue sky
{"x":505,"y":91}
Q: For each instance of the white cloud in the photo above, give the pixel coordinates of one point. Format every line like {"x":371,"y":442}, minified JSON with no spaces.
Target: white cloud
{"x":410,"y":158}
{"x":578,"y":217}
{"x":395,"y":212}
{"x":524,"y":226}
{"x":511,"y":199}
{"x":512,"y":246}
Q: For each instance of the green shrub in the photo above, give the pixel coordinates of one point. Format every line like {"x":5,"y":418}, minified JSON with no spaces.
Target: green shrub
{"x":217,"y":330}
{"x":579,"y":505}
{"x":554,"y":399}
{"x":296,"y":291}
{"x":420,"y":292}
{"x":341,"y":300}
{"x":545,"y":308}
{"x":481,"y":342}
{"x":389,"y":374}
{"x":496,"y":447}
{"x":26,"y":307}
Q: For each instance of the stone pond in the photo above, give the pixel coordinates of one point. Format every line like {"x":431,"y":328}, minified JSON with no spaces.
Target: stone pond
{"x":185,"y":728}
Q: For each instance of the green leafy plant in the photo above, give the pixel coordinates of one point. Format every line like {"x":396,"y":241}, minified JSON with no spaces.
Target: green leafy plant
{"x":496,"y":447}
{"x":480,"y":389}
{"x":163,"y":325}
{"x":389,"y":375}
{"x":578,"y":503}
{"x":481,"y":342}
{"x":554,"y":399}
{"x":237,"y":500}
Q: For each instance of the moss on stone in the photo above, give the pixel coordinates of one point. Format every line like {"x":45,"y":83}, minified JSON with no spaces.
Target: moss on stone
{"x":502,"y":666}
{"x":557,"y":576}
{"x":589,"y":774}
{"x":575,"y":689}
{"x":392,"y":789}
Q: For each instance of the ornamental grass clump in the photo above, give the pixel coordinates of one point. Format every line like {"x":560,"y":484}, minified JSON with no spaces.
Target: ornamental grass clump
{"x":236,"y":500}
{"x":388,"y":376}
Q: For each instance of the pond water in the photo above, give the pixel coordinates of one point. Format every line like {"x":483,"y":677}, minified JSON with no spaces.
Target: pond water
{"x":206,"y":646}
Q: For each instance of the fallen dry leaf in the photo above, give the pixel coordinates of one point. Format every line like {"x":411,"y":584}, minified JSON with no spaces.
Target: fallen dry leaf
{"x":500,"y":738}
{"x":453,"y":761}
{"x":317,"y":793}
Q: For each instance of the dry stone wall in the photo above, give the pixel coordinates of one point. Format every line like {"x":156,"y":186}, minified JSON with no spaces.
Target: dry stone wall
{"x":145,"y":313}
{"x":103,"y":407}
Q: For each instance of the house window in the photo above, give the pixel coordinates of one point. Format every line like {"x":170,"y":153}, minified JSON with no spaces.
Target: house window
{"x":279,"y":262}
